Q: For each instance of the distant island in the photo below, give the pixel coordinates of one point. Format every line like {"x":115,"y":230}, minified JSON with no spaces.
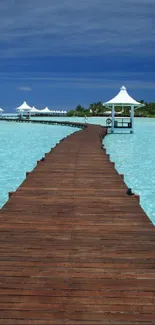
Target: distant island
{"x":97,"y":109}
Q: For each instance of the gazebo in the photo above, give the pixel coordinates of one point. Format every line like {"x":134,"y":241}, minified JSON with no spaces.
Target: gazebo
{"x":124,"y":100}
{"x":34,"y":110}
{"x":24,"y":108}
{"x":1,"y":111}
{"x":45,"y":110}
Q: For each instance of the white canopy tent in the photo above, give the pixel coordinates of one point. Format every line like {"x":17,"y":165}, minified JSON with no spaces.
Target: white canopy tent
{"x":122,"y":99}
{"x":24,"y":107}
{"x":35,"y":110}
{"x":1,"y":111}
{"x":45,"y":110}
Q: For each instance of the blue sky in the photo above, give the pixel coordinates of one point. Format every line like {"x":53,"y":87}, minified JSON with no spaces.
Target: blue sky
{"x":63,"y":53}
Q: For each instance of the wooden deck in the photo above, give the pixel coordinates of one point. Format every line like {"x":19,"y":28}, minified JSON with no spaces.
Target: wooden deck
{"x":74,"y":248}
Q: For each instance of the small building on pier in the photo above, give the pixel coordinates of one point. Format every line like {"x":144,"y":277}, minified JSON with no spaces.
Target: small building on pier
{"x":1,"y":111}
{"x":121,"y":100}
{"x":24,"y":109}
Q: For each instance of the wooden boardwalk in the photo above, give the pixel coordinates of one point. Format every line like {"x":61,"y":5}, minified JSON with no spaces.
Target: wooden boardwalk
{"x":43,"y":121}
{"x":74,"y":248}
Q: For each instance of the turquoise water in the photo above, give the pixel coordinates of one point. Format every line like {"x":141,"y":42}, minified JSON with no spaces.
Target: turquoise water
{"x":134,"y":156}
{"x":21,"y":145}
{"x":91,"y":120}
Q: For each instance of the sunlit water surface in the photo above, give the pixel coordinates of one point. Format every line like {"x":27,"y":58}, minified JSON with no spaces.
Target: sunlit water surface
{"x":134,"y":156}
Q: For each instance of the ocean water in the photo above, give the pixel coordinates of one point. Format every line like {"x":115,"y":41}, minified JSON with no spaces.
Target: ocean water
{"x":134,"y":156}
{"x":91,"y":120}
{"x":21,"y":145}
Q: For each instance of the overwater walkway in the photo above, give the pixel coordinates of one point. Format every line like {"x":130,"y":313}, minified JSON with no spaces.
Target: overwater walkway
{"x":74,"y":248}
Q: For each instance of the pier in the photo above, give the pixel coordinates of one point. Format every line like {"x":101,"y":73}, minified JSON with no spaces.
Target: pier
{"x":37,"y":121}
{"x":75,"y":249}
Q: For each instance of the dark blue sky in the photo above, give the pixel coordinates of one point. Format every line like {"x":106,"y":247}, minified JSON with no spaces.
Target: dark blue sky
{"x":63,"y":53}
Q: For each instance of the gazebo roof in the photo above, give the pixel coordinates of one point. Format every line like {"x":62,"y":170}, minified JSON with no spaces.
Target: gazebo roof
{"x":24,"y":106}
{"x":33,"y":110}
{"x":45,"y":110}
{"x":122,"y":99}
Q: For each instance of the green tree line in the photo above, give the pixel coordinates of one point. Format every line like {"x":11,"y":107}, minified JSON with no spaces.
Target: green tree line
{"x":97,"y":109}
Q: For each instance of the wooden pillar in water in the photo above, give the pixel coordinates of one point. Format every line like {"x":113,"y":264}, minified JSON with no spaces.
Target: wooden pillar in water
{"x":113,"y":118}
{"x":132,"y":119}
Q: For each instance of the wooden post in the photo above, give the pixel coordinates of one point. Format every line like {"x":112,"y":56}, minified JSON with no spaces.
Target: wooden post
{"x":10,"y":194}
{"x":122,"y":176}
{"x":132,"y":119}
{"x":113,"y":117}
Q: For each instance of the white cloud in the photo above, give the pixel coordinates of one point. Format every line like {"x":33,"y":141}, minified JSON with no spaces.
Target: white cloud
{"x":23,"y":88}
{"x":83,"y":27}
{"x":104,"y":81}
